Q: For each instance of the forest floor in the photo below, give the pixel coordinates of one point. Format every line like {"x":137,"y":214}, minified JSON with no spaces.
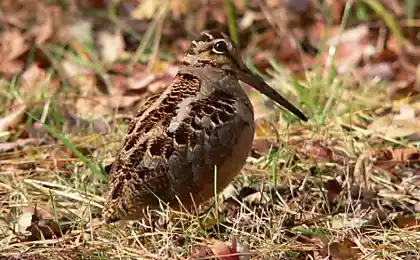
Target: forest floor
{"x":344,"y":185}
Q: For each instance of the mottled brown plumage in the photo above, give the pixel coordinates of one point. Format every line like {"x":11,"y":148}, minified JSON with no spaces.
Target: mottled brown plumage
{"x":202,"y":121}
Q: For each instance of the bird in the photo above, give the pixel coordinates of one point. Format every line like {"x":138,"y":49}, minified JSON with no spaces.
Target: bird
{"x":190,"y":141}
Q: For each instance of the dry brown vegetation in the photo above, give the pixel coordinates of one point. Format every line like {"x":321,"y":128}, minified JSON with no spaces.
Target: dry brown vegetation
{"x":345,"y":185}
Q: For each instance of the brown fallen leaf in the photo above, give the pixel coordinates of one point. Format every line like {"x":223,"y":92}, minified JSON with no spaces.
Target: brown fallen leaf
{"x":226,"y":252}
{"x":75,"y":30}
{"x":346,"y":249}
{"x":384,"y":159}
{"x":111,"y":46}
{"x":333,"y":190}
{"x":402,"y":89}
{"x":417,"y":207}
{"x":386,"y":55}
{"x":38,"y":222}
{"x":351,"y":45}
{"x":317,"y":150}
{"x":217,"y":250}
{"x":395,"y":155}
{"x":44,"y":31}
{"x":43,"y":225}
{"x":390,"y":126}
{"x":261,"y":147}
{"x":13,"y":118}
{"x":179,"y":7}
{"x":147,"y":9}
{"x":381,"y":70}
{"x":404,"y":155}
{"x":78,"y":75}
{"x":200,"y":251}
{"x":12,"y":45}
{"x":31,"y":81}
{"x":407,"y":222}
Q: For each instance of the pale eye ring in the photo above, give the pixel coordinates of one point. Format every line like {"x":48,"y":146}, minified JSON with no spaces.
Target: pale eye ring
{"x":220,"y":47}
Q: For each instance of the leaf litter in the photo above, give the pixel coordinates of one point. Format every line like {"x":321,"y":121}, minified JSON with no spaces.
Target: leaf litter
{"x":343,"y":186}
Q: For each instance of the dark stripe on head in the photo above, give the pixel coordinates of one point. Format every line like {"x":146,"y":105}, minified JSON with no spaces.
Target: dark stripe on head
{"x":210,"y":35}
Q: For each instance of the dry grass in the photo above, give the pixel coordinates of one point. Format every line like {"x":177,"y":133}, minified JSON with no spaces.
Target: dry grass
{"x":293,"y":220}
{"x":320,"y":190}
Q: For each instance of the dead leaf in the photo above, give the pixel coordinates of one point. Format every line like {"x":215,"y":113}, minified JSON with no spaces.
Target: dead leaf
{"x":351,"y":46}
{"x":141,"y":80}
{"x":346,"y":249}
{"x":12,"y":45}
{"x":417,"y":207}
{"x":382,"y":71}
{"x":384,"y":159}
{"x":261,"y":147}
{"x":111,"y":46}
{"x":317,"y":150}
{"x":147,"y":9}
{"x":44,"y":31}
{"x":23,"y":221}
{"x":200,"y":251}
{"x":79,"y":30}
{"x":391,"y":126}
{"x":218,"y":14}
{"x":406,"y":112}
{"x":404,"y":155}
{"x":179,"y":7}
{"x":43,"y":225}
{"x":14,"y":118}
{"x":78,"y":75}
{"x":215,"y":248}
{"x":31,"y":79}
{"x":395,"y":157}
{"x":297,"y":6}
{"x":402,"y":89}
{"x":341,"y":222}
{"x":386,"y":55}
{"x":93,"y":107}
{"x":407,"y":221}
{"x":333,"y":190}
{"x":226,"y":252}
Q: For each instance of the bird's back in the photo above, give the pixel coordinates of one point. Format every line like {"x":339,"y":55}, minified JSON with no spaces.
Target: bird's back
{"x":201,"y":121}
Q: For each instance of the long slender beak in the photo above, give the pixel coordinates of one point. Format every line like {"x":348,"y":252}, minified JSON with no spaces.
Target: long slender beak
{"x":258,"y":83}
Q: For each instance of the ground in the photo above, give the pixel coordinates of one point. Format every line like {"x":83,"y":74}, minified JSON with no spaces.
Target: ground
{"x":343,"y":185}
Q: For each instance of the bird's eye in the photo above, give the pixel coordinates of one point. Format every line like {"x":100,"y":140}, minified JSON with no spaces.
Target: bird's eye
{"x":220,"y":47}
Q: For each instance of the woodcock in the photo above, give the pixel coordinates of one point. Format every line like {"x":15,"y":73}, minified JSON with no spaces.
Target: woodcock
{"x":201,"y":122}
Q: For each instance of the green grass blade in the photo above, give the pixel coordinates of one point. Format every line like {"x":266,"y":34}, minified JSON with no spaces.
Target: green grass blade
{"x":95,"y":169}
